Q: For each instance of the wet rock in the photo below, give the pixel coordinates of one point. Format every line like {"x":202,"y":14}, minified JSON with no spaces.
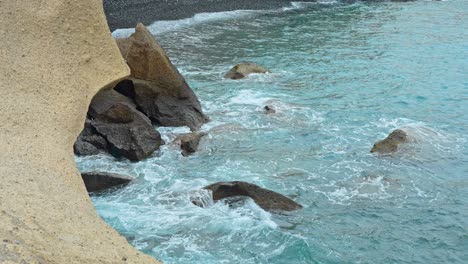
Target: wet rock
{"x":266,"y":199}
{"x":127,"y":131}
{"x":89,"y":142}
{"x":189,"y":142}
{"x":241,"y":70}
{"x":390,"y":143}
{"x":100,"y":181}
{"x":269,"y":109}
{"x":158,"y":89}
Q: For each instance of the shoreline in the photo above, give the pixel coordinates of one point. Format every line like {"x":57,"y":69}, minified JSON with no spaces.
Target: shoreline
{"x":126,"y":14}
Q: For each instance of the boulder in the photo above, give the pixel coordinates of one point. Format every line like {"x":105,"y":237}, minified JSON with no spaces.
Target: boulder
{"x":158,"y":89}
{"x":128,"y":132}
{"x":101,"y":181}
{"x":241,"y":70}
{"x":266,"y":199}
{"x":189,"y":142}
{"x":390,"y":143}
{"x":89,"y":142}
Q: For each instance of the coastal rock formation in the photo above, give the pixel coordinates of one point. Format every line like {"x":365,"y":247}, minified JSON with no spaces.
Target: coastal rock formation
{"x":129,"y":132}
{"x":266,"y":199}
{"x":390,"y":143}
{"x":156,"y":85}
{"x":56,"y":55}
{"x":241,"y":70}
{"x":189,"y":142}
{"x":100,"y":181}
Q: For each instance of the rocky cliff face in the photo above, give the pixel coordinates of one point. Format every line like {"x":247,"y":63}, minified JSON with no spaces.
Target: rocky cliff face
{"x":55,"y":56}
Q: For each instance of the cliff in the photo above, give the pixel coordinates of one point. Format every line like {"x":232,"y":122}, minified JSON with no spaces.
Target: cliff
{"x":55,"y":55}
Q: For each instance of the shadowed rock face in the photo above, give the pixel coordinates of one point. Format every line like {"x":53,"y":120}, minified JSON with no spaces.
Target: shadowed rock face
{"x":390,"y":143}
{"x":101,"y":181}
{"x":266,"y":199}
{"x":241,"y":70}
{"x":129,"y":133}
{"x":157,"y":87}
{"x":56,"y":55}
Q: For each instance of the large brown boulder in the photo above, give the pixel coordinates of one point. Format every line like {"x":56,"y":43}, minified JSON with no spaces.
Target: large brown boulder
{"x":159,"y":90}
{"x":96,"y":181}
{"x":242,"y":70}
{"x":129,"y":132}
{"x":390,"y":143}
{"x":266,"y":199}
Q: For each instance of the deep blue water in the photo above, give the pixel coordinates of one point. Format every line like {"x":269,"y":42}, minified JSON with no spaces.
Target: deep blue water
{"x":343,"y":76}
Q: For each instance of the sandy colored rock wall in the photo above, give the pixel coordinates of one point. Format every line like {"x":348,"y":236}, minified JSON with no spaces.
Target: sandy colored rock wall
{"x":54,"y":56}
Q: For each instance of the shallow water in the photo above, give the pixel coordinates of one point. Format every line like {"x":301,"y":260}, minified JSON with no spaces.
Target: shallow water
{"x":343,"y":76}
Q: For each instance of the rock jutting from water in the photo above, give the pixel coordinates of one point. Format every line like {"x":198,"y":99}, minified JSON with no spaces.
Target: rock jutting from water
{"x":127,"y":132}
{"x":242,"y":70}
{"x":189,"y":142}
{"x":156,"y":86}
{"x":96,"y":181}
{"x":266,"y":199}
{"x":391,"y":142}
{"x":269,"y":109}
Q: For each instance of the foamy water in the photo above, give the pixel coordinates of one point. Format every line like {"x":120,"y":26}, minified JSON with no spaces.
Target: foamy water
{"x":342,"y":77}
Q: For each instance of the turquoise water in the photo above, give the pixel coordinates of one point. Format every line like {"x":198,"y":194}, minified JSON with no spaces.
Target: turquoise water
{"x":343,"y":76}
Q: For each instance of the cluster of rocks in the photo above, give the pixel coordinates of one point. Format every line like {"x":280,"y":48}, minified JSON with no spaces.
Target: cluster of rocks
{"x":120,"y":120}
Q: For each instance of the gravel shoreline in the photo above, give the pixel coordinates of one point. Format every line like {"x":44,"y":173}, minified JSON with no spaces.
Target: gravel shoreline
{"x":127,"y":13}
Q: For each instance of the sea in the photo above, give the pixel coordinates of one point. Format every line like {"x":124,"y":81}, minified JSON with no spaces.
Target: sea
{"x":343,"y":75}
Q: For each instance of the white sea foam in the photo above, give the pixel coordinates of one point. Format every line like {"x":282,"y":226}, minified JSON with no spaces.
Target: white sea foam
{"x":159,"y":27}
{"x":162,"y":26}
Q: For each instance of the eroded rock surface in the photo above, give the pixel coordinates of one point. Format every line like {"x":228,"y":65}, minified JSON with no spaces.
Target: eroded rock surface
{"x":390,"y":143}
{"x":242,"y":70}
{"x":157,"y":87}
{"x":266,"y":199}
{"x":56,"y":55}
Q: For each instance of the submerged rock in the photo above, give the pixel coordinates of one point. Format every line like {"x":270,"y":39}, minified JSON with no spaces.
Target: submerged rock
{"x":157,"y":87}
{"x":241,"y":70}
{"x":100,"y":181}
{"x":189,"y":142}
{"x":266,"y":199}
{"x":129,"y":132}
{"x":390,"y":143}
{"x":269,"y":109}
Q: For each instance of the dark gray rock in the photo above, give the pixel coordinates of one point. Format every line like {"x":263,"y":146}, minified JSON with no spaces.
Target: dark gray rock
{"x":266,"y":199}
{"x":100,"y":181}
{"x":128,"y":132}
{"x":117,"y":127}
{"x":89,"y":142}
{"x":84,"y":148}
